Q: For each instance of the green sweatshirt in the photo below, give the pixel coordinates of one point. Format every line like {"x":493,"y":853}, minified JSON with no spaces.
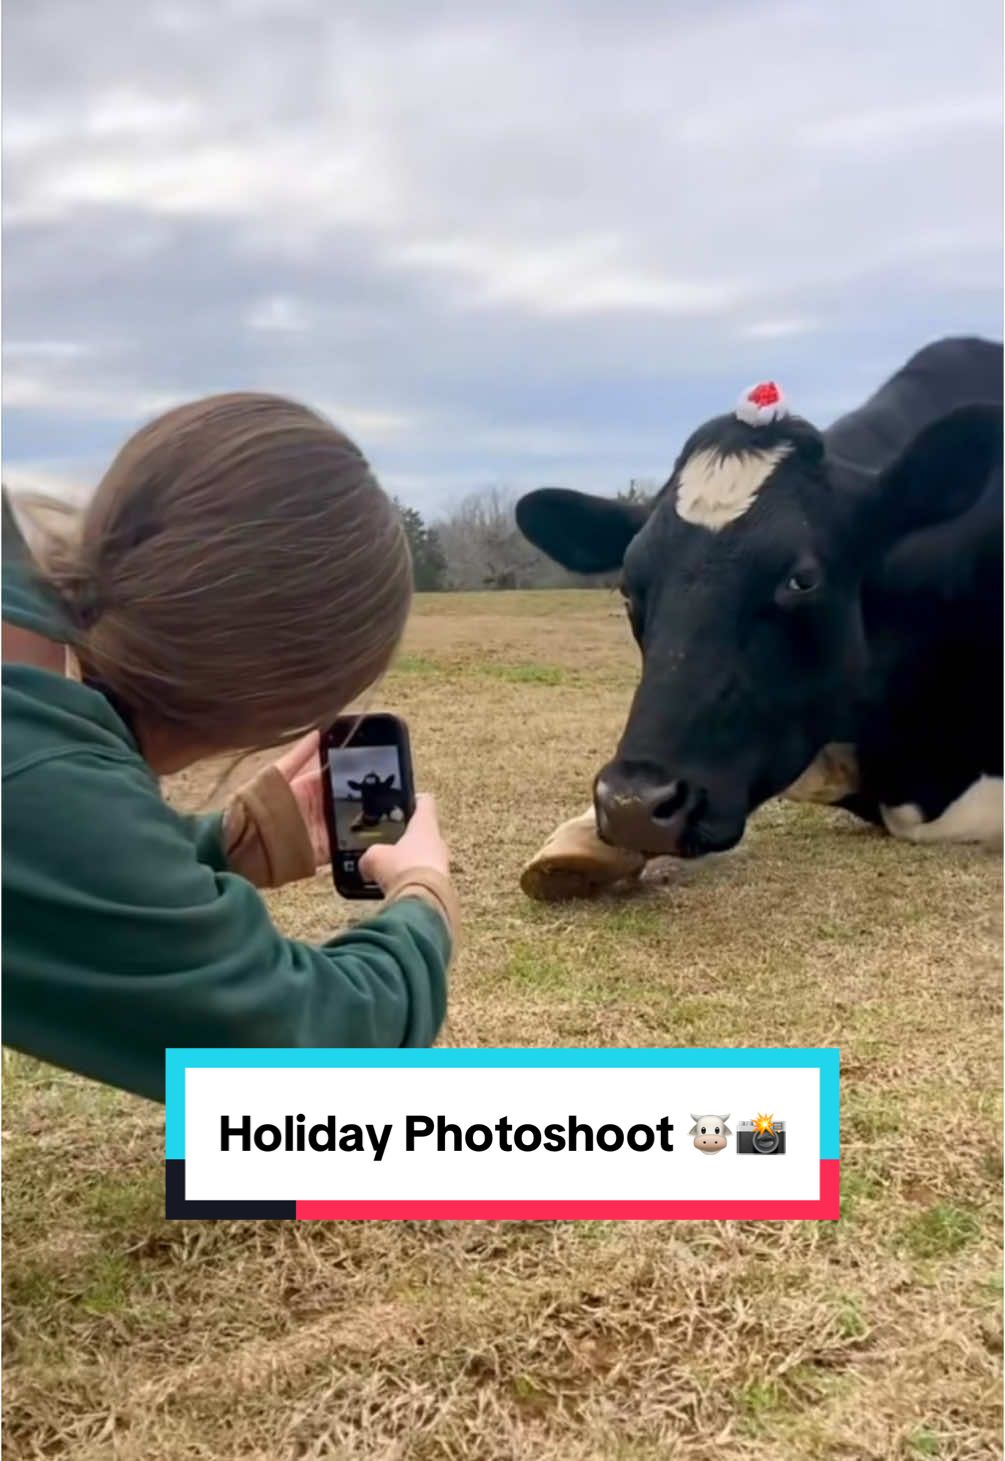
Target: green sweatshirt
{"x":124,"y":931}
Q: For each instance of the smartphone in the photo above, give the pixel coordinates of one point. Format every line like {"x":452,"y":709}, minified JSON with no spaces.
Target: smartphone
{"x":369,"y":793}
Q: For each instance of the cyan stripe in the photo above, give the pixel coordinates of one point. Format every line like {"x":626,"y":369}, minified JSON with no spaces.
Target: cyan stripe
{"x":177,"y":1061}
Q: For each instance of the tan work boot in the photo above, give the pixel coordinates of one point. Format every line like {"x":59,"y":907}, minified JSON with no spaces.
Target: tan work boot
{"x":574,"y":863}
{"x":832,"y":776}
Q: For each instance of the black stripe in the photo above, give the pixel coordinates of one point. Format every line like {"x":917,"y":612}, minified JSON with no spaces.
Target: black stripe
{"x":177,"y":1206}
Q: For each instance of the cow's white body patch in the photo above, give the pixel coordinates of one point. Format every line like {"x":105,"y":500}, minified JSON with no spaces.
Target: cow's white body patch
{"x":976,"y":816}
{"x":714,"y":490}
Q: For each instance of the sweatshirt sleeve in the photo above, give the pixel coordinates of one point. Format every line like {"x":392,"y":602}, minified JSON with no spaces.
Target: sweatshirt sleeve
{"x":207,"y":832}
{"x":119,"y":941}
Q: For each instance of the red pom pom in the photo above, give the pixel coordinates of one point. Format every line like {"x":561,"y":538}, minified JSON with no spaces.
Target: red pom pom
{"x":766,"y":394}
{"x":762,"y":404}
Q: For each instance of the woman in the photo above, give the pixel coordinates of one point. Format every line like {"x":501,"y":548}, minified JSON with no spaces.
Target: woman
{"x":236,"y":581}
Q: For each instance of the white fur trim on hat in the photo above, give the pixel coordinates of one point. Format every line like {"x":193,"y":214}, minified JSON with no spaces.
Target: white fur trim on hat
{"x":762,"y":404}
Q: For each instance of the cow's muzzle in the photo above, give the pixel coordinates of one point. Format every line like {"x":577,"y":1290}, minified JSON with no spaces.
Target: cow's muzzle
{"x":638,"y":808}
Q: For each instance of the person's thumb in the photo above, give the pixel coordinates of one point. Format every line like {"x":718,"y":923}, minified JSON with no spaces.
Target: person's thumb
{"x":419,"y":844}
{"x":378,"y":863}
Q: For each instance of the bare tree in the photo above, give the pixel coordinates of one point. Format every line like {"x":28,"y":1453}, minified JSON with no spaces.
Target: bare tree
{"x":484,"y":548}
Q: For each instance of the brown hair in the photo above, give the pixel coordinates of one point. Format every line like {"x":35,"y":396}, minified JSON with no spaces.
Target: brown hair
{"x":238,"y":572}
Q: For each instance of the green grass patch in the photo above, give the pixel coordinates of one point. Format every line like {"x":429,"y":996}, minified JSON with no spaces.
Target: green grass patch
{"x":858,"y":1188}
{"x":637,"y":918}
{"x":760,"y":1402}
{"x":538,"y":970}
{"x":428,"y":667}
{"x":416,"y":664}
{"x":107,"y":1290}
{"x":126,"y":1206}
{"x":524,"y":674}
{"x":989,"y":1290}
{"x":870,"y":1116}
{"x":37,"y":1290}
{"x":940,"y":1231}
{"x":851,"y":1322}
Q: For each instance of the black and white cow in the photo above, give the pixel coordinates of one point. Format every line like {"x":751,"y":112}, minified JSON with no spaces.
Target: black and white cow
{"x":818,"y":608}
{"x":380,"y":798}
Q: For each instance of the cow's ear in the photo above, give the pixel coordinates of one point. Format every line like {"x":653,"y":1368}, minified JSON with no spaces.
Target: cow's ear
{"x":937,"y":477}
{"x":583,"y":533}
{"x":353,"y":785}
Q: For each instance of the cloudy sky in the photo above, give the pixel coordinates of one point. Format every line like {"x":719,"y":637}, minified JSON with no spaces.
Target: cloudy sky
{"x":508,"y":242}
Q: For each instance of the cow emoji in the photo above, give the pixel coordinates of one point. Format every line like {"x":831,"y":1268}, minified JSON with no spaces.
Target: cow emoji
{"x":709,"y":1132}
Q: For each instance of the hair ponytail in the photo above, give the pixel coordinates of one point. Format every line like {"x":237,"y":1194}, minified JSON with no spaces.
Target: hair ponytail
{"x":238,"y":571}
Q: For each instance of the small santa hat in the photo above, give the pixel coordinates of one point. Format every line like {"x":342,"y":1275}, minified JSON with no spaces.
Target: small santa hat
{"x":762,"y":404}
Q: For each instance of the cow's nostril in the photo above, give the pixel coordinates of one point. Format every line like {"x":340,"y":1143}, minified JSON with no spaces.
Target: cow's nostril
{"x":670,"y":805}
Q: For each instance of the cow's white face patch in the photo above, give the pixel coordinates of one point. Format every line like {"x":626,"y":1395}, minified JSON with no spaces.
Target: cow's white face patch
{"x":976,"y":816}
{"x":713,"y":490}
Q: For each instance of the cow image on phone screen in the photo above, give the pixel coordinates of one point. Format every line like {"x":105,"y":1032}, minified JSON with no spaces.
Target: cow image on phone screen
{"x":368,"y":798}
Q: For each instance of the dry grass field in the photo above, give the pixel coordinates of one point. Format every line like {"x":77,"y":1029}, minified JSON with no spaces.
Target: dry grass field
{"x":875,"y":1337}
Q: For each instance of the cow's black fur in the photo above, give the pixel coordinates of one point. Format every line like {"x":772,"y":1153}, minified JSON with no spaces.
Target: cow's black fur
{"x":380,"y":799}
{"x":859,"y":599}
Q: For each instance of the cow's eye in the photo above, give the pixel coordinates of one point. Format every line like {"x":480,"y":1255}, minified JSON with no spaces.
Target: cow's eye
{"x":803,"y":579}
{"x":703,"y":1131}
{"x":716,"y":1131}
{"x":636,"y":612}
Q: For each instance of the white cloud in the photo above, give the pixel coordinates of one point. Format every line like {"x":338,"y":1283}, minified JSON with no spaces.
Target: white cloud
{"x":578,"y":276}
{"x":905,"y":126}
{"x":117,"y":114}
{"x":51,"y":479}
{"x":279,"y":314}
{"x":25,"y":390}
{"x":365,"y":423}
{"x":47,"y":350}
{"x":109,"y":401}
{"x":262,"y":177}
{"x":779,"y":329}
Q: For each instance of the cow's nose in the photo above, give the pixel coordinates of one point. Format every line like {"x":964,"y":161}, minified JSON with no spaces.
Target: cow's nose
{"x":642,"y":812}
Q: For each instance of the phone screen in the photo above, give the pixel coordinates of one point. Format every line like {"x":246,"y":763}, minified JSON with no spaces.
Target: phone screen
{"x":368,"y":793}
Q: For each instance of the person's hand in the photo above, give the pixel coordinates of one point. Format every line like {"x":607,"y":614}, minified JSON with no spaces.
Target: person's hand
{"x":301,"y":768}
{"x":420,"y":845}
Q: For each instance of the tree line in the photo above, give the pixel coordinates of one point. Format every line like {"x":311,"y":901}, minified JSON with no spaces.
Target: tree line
{"x":477,"y":545}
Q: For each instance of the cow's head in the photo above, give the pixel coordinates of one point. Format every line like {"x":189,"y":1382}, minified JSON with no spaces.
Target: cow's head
{"x":742,"y":585}
{"x":371,"y":781}
{"x":709,"y":1132}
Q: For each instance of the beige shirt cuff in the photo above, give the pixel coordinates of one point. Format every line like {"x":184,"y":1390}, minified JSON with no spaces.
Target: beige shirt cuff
{"x":434,"y":888}
{"x":265,"y":837}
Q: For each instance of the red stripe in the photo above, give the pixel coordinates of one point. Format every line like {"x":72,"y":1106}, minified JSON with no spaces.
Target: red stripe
{"x":826,"y":1207}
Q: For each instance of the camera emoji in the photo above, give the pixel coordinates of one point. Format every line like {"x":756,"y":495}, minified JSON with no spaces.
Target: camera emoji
{"x":763,"y":1137}
{"x":709,"y":1132}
